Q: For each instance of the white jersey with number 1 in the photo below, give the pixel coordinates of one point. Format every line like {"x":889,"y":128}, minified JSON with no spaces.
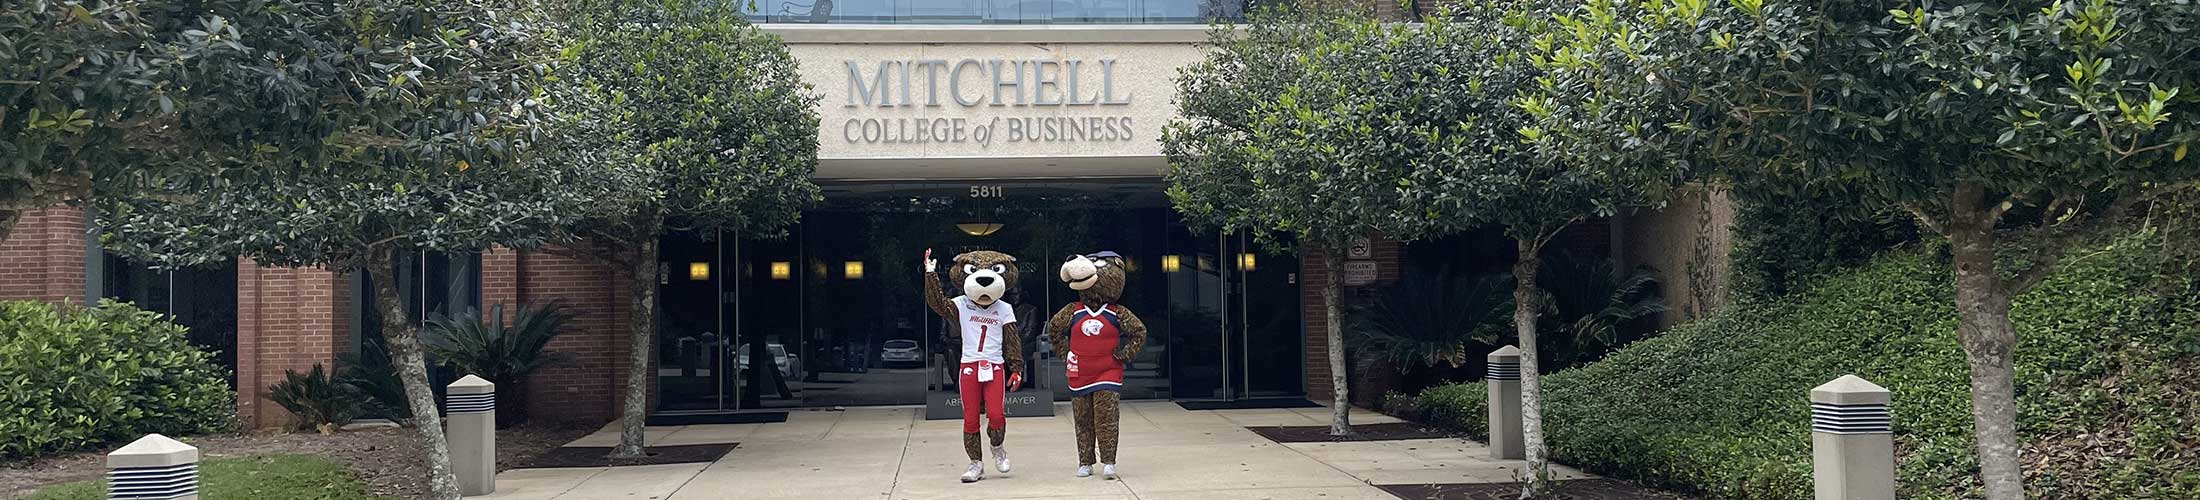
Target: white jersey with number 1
{"x":981,"y":329}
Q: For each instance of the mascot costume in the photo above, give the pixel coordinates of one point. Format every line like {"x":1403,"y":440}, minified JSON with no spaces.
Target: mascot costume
{"x":1095,"y":337}
{"x":992,"y":351}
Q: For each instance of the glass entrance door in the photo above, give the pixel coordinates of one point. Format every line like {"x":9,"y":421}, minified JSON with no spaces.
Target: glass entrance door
{"x":1265,"y":318}
{"x":693,"y":341}
{"x":1236,"y":305}
{"x":832,"y":313}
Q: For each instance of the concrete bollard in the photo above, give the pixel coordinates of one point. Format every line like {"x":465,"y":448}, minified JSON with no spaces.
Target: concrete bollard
{"x":472,"y":408}
{"x":1852,"y":440}
{"x":154,"y":467}
{"x":1504,"y":380}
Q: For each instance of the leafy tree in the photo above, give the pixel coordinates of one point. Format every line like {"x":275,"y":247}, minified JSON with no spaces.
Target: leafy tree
{"x":1508,"y":152}
{"x":697,"y":122}
{"x":1313,"y":121}
{"x":365,"y":130}
{"x":2008,"y":128}
{"x":89,"y":96}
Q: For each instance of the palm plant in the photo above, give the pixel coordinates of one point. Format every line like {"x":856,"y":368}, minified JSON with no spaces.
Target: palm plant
{"x":320,"y":402}
{"x":503,"y":354}
{"x":1596,"y":307}
{"x":370,"y":370}
{"x":1431,"y":319}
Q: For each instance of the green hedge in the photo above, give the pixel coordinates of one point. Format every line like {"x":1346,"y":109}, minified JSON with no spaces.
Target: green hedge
{"x":73,"y":377}
{"x":1719,"y":406}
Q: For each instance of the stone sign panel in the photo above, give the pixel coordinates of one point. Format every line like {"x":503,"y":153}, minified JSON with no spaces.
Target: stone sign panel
{"x":992,"y":100}
{"x":1029,"y":402}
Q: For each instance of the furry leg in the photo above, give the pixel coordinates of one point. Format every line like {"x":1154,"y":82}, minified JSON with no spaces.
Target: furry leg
{"x":998,"y":435}
{"x":971,"y":446}
{"x":1081,"y":413}
{"x":1106,"y":415}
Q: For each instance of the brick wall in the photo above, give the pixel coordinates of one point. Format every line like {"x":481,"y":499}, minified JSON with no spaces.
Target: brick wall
{"x":287,"y":319}
{"x":586,"y":388}
{"x":1387,"y":256}
{"x":43,"y":259}
{"x":500,"y":273}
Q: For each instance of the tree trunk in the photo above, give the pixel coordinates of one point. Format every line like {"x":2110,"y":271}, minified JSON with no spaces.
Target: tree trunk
{"x":1989,"y":343}
{"x":411,"y":362}
{"x":642,"y":329}
{"x":1531,"y":390}
{"x":1340,"y":403}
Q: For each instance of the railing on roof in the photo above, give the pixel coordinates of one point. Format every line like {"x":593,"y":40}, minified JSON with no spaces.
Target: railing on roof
{"x":995,"y":11}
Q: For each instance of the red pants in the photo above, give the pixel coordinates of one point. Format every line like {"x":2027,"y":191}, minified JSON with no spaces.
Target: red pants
{"x":982,"y":395}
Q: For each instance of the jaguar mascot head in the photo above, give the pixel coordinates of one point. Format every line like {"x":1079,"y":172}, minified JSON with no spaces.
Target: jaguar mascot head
{"x":985,"y":275}
{"x":1097,"y":278}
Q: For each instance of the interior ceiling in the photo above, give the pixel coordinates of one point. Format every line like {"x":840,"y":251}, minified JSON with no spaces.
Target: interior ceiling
{"x":989,"y":168}
{"x":1031,"y":183}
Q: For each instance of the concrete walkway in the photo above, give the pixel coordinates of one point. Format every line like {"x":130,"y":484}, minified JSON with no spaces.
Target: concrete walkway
{"x":892,"y":454}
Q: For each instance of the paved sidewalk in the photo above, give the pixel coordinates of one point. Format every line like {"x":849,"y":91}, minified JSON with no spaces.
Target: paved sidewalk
{"x":891,"y":454}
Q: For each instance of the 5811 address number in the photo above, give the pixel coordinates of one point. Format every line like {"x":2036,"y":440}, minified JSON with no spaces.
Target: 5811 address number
{"x":993,"y":191}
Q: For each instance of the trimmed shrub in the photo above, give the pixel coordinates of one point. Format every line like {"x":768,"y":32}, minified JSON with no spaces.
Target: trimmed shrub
{"x":1464,"y":407}
{"x":74,"y":377}
{"x":1779,"y":249}
{"x":1719,"y":407}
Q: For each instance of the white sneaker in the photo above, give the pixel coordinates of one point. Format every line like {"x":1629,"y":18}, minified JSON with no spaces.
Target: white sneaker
{"x":974,"y":473}
{"x":1000,"y":459}
{"x":1107,"y":471}
{"x":1084,"y":471}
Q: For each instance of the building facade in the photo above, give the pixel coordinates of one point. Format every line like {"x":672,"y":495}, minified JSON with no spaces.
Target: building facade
{"x":1030,"y":128}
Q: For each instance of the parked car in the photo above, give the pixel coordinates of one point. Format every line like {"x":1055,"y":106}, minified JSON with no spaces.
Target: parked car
{"x":780,"y":358}
{"x":900,"y":352}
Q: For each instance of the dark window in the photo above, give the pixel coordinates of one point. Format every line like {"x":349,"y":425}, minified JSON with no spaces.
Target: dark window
{"x":202,"y":299}
{"x":428,"y":284}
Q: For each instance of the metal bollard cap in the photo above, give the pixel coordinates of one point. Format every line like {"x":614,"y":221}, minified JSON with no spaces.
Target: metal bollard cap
{"x":1850,"y":390}
{"x":153,"y":450}
{"x":472,"y":385}
{"x":1506,"y":354}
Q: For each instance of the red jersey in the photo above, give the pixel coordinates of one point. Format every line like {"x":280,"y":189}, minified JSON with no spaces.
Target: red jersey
{"x":1093,"y":337}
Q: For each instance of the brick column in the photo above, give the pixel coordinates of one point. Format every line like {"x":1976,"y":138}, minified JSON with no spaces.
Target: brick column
{"x":287,"y":319}
{"x":43,"y":259}
{"x":1388,"y":256}
{"x":500,"y":280}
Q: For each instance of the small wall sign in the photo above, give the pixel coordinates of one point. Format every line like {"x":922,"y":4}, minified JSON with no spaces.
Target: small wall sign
{"x":1360,"y":248}
{"x":1359,"y":273}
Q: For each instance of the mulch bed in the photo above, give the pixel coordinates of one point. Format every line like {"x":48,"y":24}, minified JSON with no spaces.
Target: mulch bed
{"x":718,"y":418}
{"x":1578,"y":489}
{"x":1371,"y":432}
{"x":388,"y":461}
{"x":599,"y":456}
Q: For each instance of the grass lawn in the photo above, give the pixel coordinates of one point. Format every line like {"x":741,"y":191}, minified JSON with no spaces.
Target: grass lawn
{"x":271,"y":477}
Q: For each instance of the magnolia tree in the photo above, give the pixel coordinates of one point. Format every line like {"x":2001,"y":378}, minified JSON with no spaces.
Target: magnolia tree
{"x":694,"y":121}
{"x":2009,"y":128}
{"x":1498,"y":161}
{"x":1304,"y":123}
{"x":90,"y":93}
{"x":365,"y":130}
